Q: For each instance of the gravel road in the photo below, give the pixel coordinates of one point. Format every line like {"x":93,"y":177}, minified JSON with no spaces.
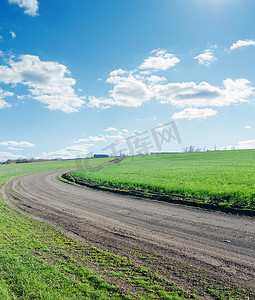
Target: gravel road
{"x":222,"y":244}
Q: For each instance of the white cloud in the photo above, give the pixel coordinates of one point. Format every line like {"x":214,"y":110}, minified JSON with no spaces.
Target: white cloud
{"x":96,"y":138}
{"x":95,"y":102}
{"x":30,"y":6}
{"x":153,"y":79}
{"x":161,"y":60}
{"x":206,"y":58}
{"x":146,"y":120}
{"x":82,"y":149}
{"x":242,"y":43}
{"x":70,"y":152}
{"x":136,"y":87}
{"x":248,"y":144}
{"x":204,"y":94}
{"x":247,"y":127}
{"x":111,"y":129}
{"x":47,"y":81}
{"x":15,"y":149}
{"x":7,"y":155}
{"x":128,"y":91}
{"x":132,"y":91}
{"x":60,"y":154}
{"x":4,"y":94}
{"x":145,"y":72}
{"x":13,"y":34}
{"x":4,"y":104}
{"x":22,"y":144}
{"x":194,"y":113}
{"x":103,"y":137}
{"x":118,"y":72}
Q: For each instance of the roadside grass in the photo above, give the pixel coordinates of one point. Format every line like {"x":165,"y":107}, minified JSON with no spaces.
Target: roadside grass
{"x":39,"y":262}
{"x":225,"y":178}
{"x":26,"y":248}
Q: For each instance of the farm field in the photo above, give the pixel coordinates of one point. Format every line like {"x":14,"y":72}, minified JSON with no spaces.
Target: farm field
{"x":39,"y":262}
{"x":13,"y":170}
{"x":224,"y":178}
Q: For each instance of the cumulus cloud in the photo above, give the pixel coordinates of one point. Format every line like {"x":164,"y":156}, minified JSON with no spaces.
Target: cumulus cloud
{"x":114,"y":133}
{"x":248,"y":144}
{"x":95,"y":102}
{"x":22,"y":144}
{"x":95,"y":138}
{"x":101,"y":138}
{"x":129,"y":91}
{"x":160,"y":60}
{"x":204,"y":94}
{"x":194,"y":113}
{"x":70,"y":152}
{"x":30,"y":6}
{"x":136,"y":87}
{"x":8,"y":155}
{"x":15,"y":149}
{"x":242,"y":43}
{"x":3,"y":94}
{"x":133,"y":88}
{"x":133,"y":91}
{"x":13,"y":34}
{"x":111,"y":129}
{"x":153,"y":79}
{"x":118,"y":72}
{"x":206,"y":58}
{"x":4,"y":104}
{"x":47,"y":81}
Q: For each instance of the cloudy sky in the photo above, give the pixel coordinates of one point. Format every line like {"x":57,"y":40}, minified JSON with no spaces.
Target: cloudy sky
{"x":132,"y":75}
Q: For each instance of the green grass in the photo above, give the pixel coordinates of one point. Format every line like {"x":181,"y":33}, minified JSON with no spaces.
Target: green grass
{"x":26,"y":248}
{"x":225,"y":176}
{"x":13,"y":170}
{"x":39,"y":262}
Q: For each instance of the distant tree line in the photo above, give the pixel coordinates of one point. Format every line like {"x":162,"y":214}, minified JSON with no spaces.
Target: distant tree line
{"x":26,"y":160}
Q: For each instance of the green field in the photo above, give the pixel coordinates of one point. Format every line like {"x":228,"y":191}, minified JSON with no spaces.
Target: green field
{"x":39,"y":262}
{"x":224,"y":177}
{"x":13,"y":170}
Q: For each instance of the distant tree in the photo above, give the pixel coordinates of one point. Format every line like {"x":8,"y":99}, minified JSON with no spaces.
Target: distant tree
{"x":189,"y":149}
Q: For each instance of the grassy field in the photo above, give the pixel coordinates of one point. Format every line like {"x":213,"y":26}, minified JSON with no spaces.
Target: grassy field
{"x":227,"y":177}
{"x":13,"y":170}
{"x":39,"y":262}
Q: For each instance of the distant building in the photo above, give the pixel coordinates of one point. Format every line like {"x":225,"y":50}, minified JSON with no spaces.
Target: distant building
{"x":156,"y":153}
{"x":101,"y":155}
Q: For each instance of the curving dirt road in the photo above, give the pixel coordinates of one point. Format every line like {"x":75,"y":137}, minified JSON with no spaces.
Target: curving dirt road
{"x":221,"y":244}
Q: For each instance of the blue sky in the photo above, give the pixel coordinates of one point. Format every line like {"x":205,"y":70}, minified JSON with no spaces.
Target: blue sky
{"x":80,"y":76}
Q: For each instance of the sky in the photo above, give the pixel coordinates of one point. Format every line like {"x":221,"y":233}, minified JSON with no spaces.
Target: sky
{"x":125,"y":76}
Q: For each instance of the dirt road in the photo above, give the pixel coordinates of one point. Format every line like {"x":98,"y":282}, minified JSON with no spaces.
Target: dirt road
{"x":222,"y":245}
